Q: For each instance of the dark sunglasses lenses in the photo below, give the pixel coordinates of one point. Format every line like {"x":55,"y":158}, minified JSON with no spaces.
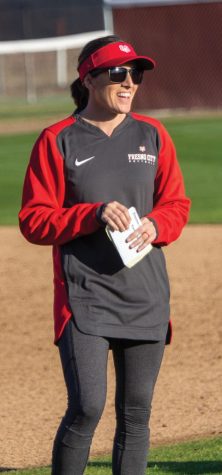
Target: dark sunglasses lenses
{"x":119,"y":75}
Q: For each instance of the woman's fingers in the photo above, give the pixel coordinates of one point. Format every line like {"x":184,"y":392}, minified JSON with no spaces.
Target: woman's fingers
{"x":116,"y":216}
{"x":143,"y":235}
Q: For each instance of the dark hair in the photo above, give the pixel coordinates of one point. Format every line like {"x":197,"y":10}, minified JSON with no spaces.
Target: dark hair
{"x":79,"y":92}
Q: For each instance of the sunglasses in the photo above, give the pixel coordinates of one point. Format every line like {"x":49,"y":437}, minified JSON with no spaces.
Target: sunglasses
{"x":119,"y":74}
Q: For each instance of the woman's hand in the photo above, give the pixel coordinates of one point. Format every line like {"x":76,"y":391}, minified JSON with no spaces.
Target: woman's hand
{"x":143,"y":235}
{"x":116,"y":216}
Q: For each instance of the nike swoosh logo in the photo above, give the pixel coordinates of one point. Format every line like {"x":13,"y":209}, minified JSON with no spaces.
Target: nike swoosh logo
{"x":78,"y":164}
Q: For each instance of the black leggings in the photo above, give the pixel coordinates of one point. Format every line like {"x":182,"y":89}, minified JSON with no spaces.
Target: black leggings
{"x":84,"y":361}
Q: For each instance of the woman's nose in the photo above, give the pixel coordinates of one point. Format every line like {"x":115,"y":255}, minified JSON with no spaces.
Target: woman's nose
{"x":128,"y":80}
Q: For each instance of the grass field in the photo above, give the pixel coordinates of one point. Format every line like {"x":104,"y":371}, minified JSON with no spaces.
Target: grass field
{"x":45,"y":107}
{"x":197,"y":457}
{"x":198,"y":142}
{"x":14,"y":156}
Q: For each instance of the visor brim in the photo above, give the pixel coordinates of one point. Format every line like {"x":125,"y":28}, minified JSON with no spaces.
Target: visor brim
{"x":143,"y":62}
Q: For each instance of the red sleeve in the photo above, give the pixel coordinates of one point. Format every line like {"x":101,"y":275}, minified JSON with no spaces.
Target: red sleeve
{"x":171,"y":206}
{"x":43,"y":219}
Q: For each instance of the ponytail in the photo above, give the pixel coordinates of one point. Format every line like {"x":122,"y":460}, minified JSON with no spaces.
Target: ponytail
{"x":80,"y":94}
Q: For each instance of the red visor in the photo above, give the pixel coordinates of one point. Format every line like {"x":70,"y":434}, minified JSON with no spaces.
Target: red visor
{"x":114,"y":54}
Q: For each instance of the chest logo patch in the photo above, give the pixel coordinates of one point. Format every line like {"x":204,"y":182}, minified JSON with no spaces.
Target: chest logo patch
{"x":79,"y":163}
{"x":142,"y":158}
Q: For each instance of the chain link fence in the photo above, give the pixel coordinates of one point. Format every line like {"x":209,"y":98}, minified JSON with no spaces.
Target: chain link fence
{"x":185,"y":41}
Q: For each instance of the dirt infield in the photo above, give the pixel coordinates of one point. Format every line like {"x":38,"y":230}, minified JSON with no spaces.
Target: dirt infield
{"x":187,"y":401}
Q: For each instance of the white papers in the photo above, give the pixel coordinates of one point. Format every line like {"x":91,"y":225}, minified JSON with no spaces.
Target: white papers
{"x":130,"y":257}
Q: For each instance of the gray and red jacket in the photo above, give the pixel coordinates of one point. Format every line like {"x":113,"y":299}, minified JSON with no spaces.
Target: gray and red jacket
{"x":53,"y":214}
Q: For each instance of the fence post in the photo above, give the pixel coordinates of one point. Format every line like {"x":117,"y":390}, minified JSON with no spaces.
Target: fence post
{"x":61,"y":65}
{"x":2,"y":76}
{"x":31,"y":95}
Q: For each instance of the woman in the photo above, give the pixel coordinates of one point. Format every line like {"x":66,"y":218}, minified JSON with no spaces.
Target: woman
{"x":84,"y":173}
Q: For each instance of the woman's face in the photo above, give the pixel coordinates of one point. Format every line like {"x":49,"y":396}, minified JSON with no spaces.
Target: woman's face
{"x":109,"y":97}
